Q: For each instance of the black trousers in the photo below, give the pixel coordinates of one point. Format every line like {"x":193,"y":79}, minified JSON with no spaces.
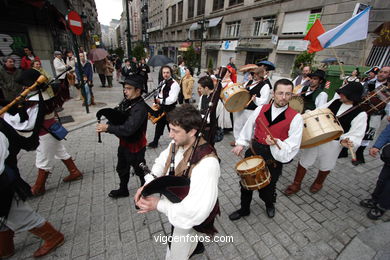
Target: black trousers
{"x":381,"y":193}
{"x":268,"y":193}
{"x":102,"y":78}
{"x":126,"y":159}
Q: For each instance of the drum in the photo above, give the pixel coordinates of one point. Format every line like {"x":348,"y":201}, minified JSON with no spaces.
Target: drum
{"x":253,"y":172}
{"x":235,"y":97}
{"x":297,"y":104}
{"x":320,"y":126}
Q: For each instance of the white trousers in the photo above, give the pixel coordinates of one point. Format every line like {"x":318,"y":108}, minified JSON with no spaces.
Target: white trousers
{"x":22,"y":217}
{"x":48,"y":149}
{"x":326,"y":153}
{"x":183,"y":244}
{"x":240,"y":119}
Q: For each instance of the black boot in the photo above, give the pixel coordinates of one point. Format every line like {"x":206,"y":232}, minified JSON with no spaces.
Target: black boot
{"x":359,"y":156}
{"x":123,"y":191}
{"x":343,"y":153}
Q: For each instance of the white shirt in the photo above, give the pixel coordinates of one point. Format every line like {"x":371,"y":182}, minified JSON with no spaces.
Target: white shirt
{"x":320,"y":100}
{"x":265,"y":93}
{"x":289,"y":147}
{"x":59,"y":66}
{"x":4,"y":144}
{"x":358,"y":124}
{"x":203,"y":194}
{"x":302,"y":81}
{"x":173,"y":93}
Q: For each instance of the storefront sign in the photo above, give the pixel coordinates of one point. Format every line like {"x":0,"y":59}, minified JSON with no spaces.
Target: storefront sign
{"x":292,"y":45}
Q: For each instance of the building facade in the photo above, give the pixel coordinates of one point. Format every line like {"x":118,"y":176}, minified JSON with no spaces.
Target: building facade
{"x":253,"y":30}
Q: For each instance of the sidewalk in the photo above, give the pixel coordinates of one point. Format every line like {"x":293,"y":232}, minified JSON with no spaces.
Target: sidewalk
{"x":326,"y":225}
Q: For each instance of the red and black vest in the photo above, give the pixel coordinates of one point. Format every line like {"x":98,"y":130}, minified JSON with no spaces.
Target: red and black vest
{"x":279,"y":127}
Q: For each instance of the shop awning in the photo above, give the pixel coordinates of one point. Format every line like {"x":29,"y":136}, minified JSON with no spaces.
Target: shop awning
{"x":194,"y":26}
{"x":214,"y":22}
{"x":251,"y":49}
{"x":184,"y":46}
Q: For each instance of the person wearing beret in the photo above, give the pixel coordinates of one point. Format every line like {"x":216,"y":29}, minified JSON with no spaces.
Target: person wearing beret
{"x":354,"y":125}
{"x":131,"y":134}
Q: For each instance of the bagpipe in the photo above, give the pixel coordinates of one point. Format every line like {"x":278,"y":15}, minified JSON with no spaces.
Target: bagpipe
{"x":176,"y":188}
{"x":119,"y":114}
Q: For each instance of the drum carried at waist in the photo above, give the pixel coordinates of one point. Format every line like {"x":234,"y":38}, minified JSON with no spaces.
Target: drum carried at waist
{"x":320,"y":126}
{"x":253,"y":172}
{"x":235,"y":98}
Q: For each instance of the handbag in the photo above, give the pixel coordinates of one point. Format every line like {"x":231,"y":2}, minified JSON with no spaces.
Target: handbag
{"x":57,"y":131}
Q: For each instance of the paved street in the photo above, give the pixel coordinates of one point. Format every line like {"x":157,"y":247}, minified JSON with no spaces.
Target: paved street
{"x":306,"y":226}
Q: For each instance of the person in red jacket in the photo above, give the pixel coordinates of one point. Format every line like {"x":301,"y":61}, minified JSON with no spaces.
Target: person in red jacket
{"x":25,"y":63}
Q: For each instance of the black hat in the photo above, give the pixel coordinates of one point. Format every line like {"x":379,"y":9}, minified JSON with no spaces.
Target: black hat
{"x":136,"y":81}
{"x":353,"y":91}
{"x":28,"y":77}
{"x":317,"y":73}
{"x":374,"y":69}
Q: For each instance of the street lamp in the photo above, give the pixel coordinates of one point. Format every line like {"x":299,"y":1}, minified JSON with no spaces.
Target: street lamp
{"x":128,"y":30}
{"x":203,"y":28}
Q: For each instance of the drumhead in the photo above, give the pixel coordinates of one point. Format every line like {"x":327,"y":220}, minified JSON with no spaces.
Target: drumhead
{"x":321,"y":139}
{"x":248,"y":163}
{"x":237,"y":101}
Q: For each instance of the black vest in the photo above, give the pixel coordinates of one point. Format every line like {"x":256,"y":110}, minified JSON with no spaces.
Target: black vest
{"x":309,"y":100}
{"x":255,"y":91}
{"x":165,"y":94}
{"x":345,"y":120}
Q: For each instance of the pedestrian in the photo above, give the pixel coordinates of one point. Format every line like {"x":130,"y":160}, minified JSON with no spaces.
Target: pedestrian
{"x":87,"y":77}
{"x":134,"y":65}
{"x":118,"y":67}
{"x":144,"y":70}
{"x":25,"y":63}
{"x":38,"y":66}
{"x":109,"y":69}
{"x":189,"y":216}
{"x":231,"y":63}
{"x":303,"y":79}
{"x":380,"y":198}
{"x":182,"y":69}
{"x":100,"y":66}
{"x":353,"y":78}
{"x":60,"y":67}
{"x":187,"y":84}
{"x":285,"y":126}
{"x":8,"y":79}
{"x":131,"y":134}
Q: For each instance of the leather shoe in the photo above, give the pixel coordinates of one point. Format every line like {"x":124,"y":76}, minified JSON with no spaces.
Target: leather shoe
{"x":119,"y":193}
{"x":270,"y":212}
{"x":152,"y":145}
{"x":237,"y":215}
{"x":368,"y":203}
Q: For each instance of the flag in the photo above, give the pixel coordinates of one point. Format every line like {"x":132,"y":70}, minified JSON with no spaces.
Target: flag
{"x":354,"y":29}
{"x":316,"y":30}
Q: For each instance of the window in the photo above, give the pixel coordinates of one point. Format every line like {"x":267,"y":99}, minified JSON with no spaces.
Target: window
{"x":379,"y":56}
{"x":191,"y":7}
{"x":167,"y":17}
{"x":233,"y":29}
{"x":218,"y":4}
{"x":180,"y":12}
{"x":173,"y":14}
{"x":201,"y":7}
{"x":235,"y":2}
{"x":299,"y":22}
{"x":215,"y":32}
{"x":264,"y":26}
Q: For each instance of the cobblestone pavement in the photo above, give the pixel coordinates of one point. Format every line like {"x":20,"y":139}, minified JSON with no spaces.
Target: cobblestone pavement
{"x":306,"y":226}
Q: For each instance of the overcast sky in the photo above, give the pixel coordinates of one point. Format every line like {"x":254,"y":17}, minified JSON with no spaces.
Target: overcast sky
{"x":108,"y":9}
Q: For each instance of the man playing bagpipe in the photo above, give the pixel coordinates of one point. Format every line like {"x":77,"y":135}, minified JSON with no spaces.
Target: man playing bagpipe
{"x":131,"y":133}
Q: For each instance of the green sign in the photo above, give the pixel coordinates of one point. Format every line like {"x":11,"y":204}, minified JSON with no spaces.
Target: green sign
{"x":312,"y":19}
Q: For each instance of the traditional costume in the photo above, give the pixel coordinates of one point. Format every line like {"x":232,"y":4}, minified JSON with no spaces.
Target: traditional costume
{"x":314,"y":98}
{"x":285,"y":124}
{"x":353,"y":124}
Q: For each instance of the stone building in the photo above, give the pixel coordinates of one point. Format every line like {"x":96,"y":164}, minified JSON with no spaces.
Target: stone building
{"x":252,"y":30}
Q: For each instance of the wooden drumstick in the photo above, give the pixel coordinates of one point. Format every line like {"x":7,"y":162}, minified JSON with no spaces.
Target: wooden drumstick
{"x":250,"y":100}
{"x":269,"y":133}
{"x":353,"y":155}
{"x":243,"y":157}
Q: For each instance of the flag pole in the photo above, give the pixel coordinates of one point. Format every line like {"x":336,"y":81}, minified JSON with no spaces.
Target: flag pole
{"x":338,"y":60}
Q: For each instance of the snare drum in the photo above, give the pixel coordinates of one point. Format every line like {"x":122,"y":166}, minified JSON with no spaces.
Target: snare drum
{"x":235,"y":97}
{"x":253,"y":172}
{"x":320,"y":126}
{"x":297,"y":103}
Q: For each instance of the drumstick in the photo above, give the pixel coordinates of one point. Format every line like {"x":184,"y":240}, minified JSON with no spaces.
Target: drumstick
{"x":353,"y":155}
{"x":250,"y":101}
{"x":269,"y":133}
{"x":242,"y":157}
